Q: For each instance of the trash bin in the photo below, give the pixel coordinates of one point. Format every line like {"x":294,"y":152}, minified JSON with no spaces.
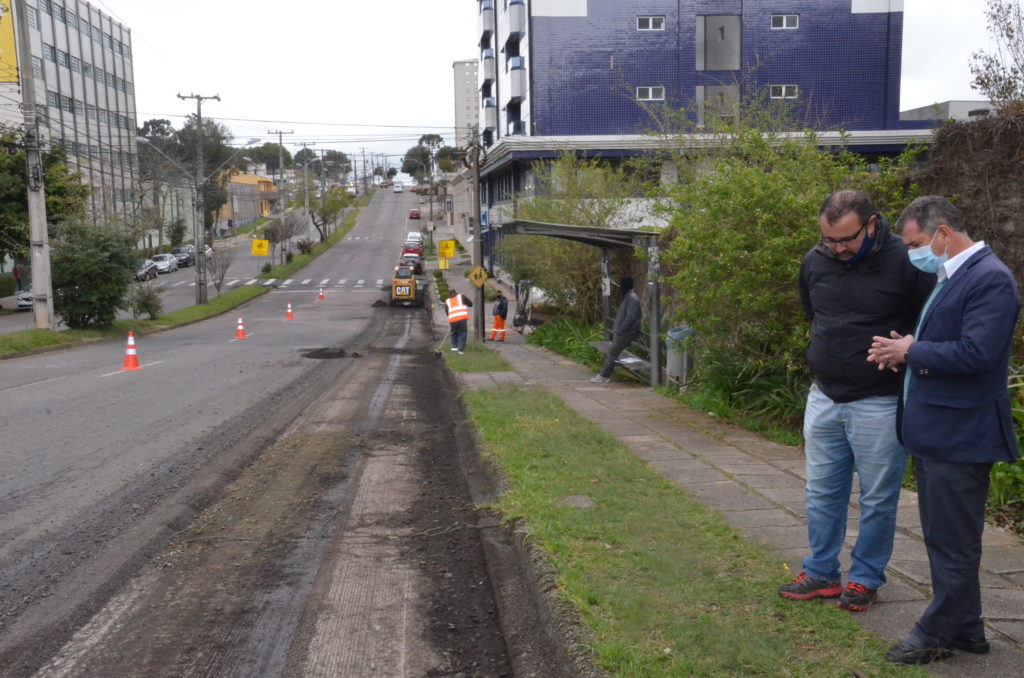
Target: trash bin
{"x":678,"y":362}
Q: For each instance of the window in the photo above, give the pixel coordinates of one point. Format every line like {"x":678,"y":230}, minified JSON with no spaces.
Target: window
{"x":63,"y":59}
{"x":67,"y":103}
{"x":52,"y":99}
{"x":90,"y":111}
{"x":784,"y":91}
{"x":76,"y":64}
{"x":87,"y":70}
{"x":33,"y":16}
{"x":650,"y":93}
{"x":49,"y":52}
{"x":785,"y":22}
{"x":37,"y":67}
{"x":650,"y":23}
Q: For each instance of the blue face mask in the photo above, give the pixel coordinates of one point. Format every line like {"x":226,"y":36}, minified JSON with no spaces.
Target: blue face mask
{"x":925,"y":259}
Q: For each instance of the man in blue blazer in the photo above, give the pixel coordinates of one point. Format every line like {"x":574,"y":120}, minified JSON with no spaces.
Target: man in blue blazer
{"x":956,"y":418}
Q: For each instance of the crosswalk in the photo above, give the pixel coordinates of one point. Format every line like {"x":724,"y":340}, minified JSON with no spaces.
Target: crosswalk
{"x":350,"y":283}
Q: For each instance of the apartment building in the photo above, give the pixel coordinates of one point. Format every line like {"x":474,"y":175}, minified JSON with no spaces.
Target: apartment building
{"x":85,"y":97}
{"x":467,"y":100}
{"x":584,"y":67}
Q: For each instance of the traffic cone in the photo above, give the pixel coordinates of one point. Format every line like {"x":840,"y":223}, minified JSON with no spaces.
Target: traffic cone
{"x":240,"y":330}
{"x":320,"y":297}
{"x":289,"y":315}
{"x":131,"y":358}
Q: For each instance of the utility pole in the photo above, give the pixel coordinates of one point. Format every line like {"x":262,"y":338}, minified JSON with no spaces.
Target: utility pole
{"x":477,"y":244}
{"x":280,"y":176}
{"x":39,"y":245}
{"x":365,"y":187}
{"x":200,"y":236}
{"x":305,"y":184}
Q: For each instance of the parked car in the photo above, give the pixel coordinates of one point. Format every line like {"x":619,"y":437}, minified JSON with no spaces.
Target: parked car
{"x":414,"y":213}
{"x":165,"y":263}
{"x":25,"y":300}
{"x":185,"y":254}
{"x":397,"y":188}
{"x":413,"y":261}
{"x":146,"y":270}
{"x":414,"y":236}
{"x":414,"y":188}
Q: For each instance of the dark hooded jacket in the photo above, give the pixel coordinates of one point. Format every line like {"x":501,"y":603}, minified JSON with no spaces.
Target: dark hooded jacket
{"x":848,"y":305}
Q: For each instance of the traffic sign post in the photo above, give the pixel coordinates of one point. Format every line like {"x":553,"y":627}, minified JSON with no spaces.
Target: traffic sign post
{"x":478,"y":276}
{"x":260,"y":248}
{"x":449,"y":203}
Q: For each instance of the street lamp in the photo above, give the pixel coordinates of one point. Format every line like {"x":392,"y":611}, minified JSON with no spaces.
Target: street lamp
{"x":199,"y":227}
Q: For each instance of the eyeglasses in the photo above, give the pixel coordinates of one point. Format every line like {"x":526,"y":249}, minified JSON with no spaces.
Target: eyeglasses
{"x":832,"y":242}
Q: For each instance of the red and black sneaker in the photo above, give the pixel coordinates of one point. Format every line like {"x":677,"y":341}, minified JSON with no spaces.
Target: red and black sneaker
{"x":857,"y":597}
{"x":805,"y":587}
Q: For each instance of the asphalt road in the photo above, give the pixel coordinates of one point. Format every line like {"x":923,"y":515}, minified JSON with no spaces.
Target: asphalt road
{"x":102,"y":470}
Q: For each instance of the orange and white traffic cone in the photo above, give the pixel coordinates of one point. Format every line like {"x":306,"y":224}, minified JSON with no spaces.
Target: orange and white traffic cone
{"x":289,"y":315}
{"x":131,"y":357}
{"x":320,"y":297}
{"x":240,"y":329}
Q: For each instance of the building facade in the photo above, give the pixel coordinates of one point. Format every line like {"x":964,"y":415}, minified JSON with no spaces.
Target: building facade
{"x":593,"y":67}
{"x":85,"y":98}
{"x":250,"y":196}
{"x":467,"y":100}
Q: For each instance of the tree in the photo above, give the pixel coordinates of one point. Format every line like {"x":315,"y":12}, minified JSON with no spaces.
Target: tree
{"x":156,"y":172}
{"x":336,"y":164}
{"x":267,"y":154}
{"x":306,"y":155}
{"x":176,"y":232}
{"x":66,"y":195}
{"x":92,"y":269}
{"x":218,"y":264}
{"x":1000,"y":75}
{"x":448,"y":158}
{"x":417,"y":161}
{"x":216,"y":152}
{"x":326,"y":211}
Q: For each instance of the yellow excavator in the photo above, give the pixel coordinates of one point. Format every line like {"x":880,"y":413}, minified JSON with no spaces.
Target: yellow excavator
{"x":405,"y":290}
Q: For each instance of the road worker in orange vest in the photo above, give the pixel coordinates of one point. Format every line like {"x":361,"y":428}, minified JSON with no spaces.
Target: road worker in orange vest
{"x":500,"y":312}
{"x":458,"y":319}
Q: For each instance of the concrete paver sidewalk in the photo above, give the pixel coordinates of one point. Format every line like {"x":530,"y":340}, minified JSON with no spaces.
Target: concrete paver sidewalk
{"x":757,"y":485}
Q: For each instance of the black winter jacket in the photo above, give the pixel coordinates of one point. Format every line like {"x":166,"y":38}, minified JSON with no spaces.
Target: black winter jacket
{"x":848,"y":305}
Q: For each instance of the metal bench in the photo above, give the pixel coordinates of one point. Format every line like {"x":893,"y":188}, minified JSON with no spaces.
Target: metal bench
{"x":630,"y":362}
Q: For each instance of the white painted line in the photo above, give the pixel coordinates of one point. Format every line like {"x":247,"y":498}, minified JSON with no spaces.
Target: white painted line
{"x":341,"y":282}
{"x":233,"y":283}
{"x":252,"y":282}
{"x":141,"y":366}
{"x":359,"y":283}
{"x":179,"y":283}
{"x":270,"y":282}
{"x":289,"y":281}
{"x":327,"y":280}
{"x":306,"y":281}
{"x":192,"y":284}
{"x":380,"y":282}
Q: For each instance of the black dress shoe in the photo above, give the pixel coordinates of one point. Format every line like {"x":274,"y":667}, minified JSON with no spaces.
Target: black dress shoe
{"x":914,"y":650}
{"x":973,"y":645}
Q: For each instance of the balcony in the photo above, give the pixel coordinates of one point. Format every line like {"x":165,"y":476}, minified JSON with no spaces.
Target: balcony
{"x":485,"y":25}
{"x":516,"y":127}
{"x":490,"y":113}
{"x":517,"y":79}
{"x":488,"y":66}
{"x":516,"y":19}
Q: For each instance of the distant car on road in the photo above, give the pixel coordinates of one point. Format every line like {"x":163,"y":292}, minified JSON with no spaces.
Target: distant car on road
{"x":413,"y":246}
{"x":413,"y":261}
{"x":397,"y":188}
{"x":146,"y":270}
{"x":185,"y":254}
{"x":25,"y":300}
{"x":414,"y":213}
{"x":414,"y":188}
{"x":165,"y":263}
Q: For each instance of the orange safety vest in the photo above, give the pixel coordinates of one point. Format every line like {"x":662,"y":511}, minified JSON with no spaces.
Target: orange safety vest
{"x":457,"y":310}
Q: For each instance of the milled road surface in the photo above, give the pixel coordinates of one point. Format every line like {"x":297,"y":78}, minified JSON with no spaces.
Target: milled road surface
{"x":293,"y":504}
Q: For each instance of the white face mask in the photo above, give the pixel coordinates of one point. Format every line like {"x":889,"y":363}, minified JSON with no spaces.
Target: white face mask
{"x":925,"y":259}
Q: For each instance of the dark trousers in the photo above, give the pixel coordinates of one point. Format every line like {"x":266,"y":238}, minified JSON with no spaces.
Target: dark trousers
{"x":620,"y":342}
{"x":951,"y":499}
{"x":459,"y":328}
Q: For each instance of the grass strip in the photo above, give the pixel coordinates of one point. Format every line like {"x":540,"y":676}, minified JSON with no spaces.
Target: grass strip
{"x":477,"y":358}
{"x":665,"y":586}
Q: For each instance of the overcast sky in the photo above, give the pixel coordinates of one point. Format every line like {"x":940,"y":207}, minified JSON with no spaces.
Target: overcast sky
{"x":355,"y":74}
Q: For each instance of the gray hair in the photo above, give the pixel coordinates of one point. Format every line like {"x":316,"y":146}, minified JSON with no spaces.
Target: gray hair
{"x":837,"y":205}
{"x":930,"y":212}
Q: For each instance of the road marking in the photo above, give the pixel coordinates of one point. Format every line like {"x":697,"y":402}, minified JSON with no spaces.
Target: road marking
{"x":110,"y":374}
{"x":359,"y":283}
{"x":289,"y":281}
{"x":233,"y":283}
{"x":192,"y":284}
{"x":341,"y":282}
{"x":306,"y":281}
{"x":270,"y":282}
{"x":380,"y":282}
{"x":251,"y":282}
{"x":325,"y":281}
{"x":179,"y":283}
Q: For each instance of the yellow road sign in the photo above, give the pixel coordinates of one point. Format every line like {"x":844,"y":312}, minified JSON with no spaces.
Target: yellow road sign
{"x":478,"y":276}
{"x":443,"y":264}
{"x":260,"y":248}
{"x":446,"y":249}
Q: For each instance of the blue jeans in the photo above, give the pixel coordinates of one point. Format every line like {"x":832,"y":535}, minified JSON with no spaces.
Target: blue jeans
{"x":841,"y":438}
{"x":459,"y":330}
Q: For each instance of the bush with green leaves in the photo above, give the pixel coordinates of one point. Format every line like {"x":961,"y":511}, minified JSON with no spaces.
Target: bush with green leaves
{"x":746,"y":214}
{"x":176,"y":232}
{"x":92,"y":268}
{"x":144,"y":299}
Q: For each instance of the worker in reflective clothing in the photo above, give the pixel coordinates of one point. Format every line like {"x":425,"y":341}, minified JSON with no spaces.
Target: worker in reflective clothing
{"x":458,"y":319}
{"x":500,"y":312}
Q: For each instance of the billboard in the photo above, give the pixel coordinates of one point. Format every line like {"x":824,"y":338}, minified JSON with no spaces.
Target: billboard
{"x":8,"y":52}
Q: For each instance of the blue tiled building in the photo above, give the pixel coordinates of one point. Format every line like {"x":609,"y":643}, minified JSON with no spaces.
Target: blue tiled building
{"x":585,"y":67}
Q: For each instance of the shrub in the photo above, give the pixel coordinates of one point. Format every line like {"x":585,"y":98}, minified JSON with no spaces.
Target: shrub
{"x":8,"y":286}
{"x":267,"y":267}
{"x":144,"y":299}
{"x":305,"y":247}
{"x":570,"y":338}
{"x":92,"y":269}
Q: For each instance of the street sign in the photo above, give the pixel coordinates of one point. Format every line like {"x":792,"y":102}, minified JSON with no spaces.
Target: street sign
{"x":443,"y":264}
{"x":446,"y":249}
{"x":449,"y":204}
{"x":261,"y":248}
{"x":478,"y":276}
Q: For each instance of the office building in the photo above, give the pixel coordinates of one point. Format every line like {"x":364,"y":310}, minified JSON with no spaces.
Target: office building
{"x":467,"y":101}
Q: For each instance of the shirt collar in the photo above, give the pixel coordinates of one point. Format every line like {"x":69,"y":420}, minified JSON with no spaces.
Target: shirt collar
{"x":953,"y":264}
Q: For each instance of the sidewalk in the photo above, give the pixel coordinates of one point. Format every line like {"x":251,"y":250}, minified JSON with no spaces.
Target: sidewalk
{"x":757,"y":485}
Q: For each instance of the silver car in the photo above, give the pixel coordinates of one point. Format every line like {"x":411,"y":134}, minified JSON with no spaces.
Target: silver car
{"x":165,"y":263}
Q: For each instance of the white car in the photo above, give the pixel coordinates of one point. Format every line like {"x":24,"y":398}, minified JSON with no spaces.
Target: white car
{"x":25,"y":300}
{"x":414,"y":235}
{"x":165,"y":263}
{"x":397,"y":188}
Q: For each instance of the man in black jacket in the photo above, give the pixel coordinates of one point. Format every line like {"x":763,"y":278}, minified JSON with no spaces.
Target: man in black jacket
{"x":625,"y":330}
{"x":856,"y":281}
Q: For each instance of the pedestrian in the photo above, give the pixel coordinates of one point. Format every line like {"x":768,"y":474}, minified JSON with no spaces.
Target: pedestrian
{"x":956,"y":415}
{"x":625,"y":330}
{"x":458,"y":319}
{"x":856,"y":280}
{"x":500,"y":312}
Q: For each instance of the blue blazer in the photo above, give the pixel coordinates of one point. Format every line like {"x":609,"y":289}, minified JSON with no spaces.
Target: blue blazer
{"x":957,"y":406}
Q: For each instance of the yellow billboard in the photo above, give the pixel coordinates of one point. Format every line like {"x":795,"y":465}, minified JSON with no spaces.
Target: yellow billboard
{"x":8,"y":51}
